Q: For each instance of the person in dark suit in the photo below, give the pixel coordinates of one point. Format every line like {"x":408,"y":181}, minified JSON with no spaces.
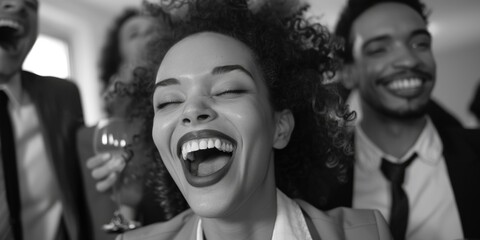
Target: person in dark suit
{"x":434,"y":191}
{"x":41,"y":191}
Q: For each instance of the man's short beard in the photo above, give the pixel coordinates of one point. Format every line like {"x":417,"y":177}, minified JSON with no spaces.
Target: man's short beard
{"x":410,"y":114}
{"x":402,"y":115}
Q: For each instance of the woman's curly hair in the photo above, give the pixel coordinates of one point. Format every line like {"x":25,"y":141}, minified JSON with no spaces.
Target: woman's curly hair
{"x":169,"y":201}
{"x":165,"y":192}
{"x":297,"y":60}
{"x":111,"y":56}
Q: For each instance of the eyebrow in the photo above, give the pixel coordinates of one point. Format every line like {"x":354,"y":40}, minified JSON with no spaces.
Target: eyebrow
{"x":215,"y":71}
{"x":229,"y":68}
{"x":167,"y":82}
{"x":421,"y":32}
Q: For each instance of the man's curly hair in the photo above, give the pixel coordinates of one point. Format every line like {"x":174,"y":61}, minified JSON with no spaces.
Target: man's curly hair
{"x":354,"y":8}
{"x":297,"y":59}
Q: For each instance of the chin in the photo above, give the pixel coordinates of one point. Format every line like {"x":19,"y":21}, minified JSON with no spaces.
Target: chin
{"x":212,"y":208}
{"x":407,"y":115}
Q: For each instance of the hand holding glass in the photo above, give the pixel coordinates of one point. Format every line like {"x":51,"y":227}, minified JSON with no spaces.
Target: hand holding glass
{"x":116,"y":136}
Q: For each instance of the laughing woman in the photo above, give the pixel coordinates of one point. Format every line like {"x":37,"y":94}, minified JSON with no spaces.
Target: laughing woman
{"x":242,"y":120}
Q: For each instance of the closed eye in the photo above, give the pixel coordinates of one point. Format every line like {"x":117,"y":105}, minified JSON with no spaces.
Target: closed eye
{"x":165,"y":105}
{"x":376,"y":51}
{"x":422,"y":45}
{"x":231,"y":92}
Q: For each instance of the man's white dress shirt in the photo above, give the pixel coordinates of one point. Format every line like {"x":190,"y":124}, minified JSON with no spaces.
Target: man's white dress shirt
{"x":39,"y":192}
{"x":433,"y":211}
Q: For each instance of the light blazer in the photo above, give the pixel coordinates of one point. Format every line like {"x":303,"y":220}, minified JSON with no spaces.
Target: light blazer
{"x":461,"y":150}
{"x":60,"y":113}
{"x":337,"y":224}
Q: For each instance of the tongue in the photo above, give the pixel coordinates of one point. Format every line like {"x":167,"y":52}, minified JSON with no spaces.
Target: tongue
{"x":8,"y":38}
{"x":208,"y":166}
{"x":9,"y":45}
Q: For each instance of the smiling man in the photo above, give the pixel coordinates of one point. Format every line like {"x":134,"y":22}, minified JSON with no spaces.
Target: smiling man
{"x":422,"y":177}
{"x":41,"y":194}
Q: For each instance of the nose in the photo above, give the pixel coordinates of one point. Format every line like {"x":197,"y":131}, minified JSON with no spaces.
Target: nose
{"x":198,"y":111}
{"x":11,"y":5}
{"x":407,"y":58}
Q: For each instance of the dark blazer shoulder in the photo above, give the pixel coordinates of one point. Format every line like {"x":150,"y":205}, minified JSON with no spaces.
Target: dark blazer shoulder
{"x":461,"y":151}
{"x":33,"y":83}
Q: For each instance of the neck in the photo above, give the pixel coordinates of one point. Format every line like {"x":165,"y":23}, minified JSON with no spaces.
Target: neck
{"x":4,"y":79}
{"x":255,"y":219}
{"x":393,"y":136}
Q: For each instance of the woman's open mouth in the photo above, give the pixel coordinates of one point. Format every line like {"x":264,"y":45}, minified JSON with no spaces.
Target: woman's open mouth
{"x":206,"y":156}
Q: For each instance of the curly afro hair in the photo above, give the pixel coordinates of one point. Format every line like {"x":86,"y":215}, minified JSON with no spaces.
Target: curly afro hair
{"x":111,"y":57}
{"x":297,"y":60}
{"x":355,"y":8}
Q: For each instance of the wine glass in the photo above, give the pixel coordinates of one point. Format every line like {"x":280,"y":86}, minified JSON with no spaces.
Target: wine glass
{"x":117,"y":136}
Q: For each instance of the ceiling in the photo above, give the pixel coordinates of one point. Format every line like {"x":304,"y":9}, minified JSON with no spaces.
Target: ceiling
{"x":453,"y":23}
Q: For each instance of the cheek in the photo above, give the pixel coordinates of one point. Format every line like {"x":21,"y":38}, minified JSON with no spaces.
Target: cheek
{"x":369,"y":72}
{"x":162,"y":132}
{"x":252,"y":117}
{"x":429,"y":61}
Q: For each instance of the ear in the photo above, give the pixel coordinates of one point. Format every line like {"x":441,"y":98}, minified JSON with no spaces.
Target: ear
{"x":348,"y":76}
{"x":283,"y":130}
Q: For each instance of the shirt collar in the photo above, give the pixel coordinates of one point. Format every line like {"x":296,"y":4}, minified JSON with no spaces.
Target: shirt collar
{"x":14,"y":91}
{"x":289,"y":223}
{"x":428,"y":146}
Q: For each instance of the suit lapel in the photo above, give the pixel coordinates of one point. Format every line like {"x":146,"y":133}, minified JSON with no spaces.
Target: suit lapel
{"x":45,"y":105}
{"x":45,"y":110}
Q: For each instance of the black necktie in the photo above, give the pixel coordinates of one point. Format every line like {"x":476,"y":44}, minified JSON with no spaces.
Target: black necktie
{"x":395,"y":173}
{"x":10,"y":167}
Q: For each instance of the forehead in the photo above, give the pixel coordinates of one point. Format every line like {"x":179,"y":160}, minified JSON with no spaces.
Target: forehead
{"x":201,"y":52}
{"x":137,"y":21}
{"x":390,"y":19}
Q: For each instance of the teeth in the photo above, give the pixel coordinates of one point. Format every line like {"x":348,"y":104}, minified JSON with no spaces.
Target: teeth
{"x":10,"y":23}
{"x":194,"y":146}
{"x":203,"y":144}
{"x":218,"y":144}
{"x":207,"y":143}
{"x":405,"y":83}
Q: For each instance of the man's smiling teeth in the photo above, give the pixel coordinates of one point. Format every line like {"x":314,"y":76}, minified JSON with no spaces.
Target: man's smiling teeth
{"x":405,"y":83}
{"x":205,"y":143}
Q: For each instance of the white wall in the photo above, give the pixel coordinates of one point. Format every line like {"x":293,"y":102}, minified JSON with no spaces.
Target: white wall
{"x":84,"y":27}
{"x":458,"y":74}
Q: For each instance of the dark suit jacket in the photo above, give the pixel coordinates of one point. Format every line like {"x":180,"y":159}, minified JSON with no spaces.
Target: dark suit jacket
{"x":461,"y":150}
{"x":59,"y":108}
